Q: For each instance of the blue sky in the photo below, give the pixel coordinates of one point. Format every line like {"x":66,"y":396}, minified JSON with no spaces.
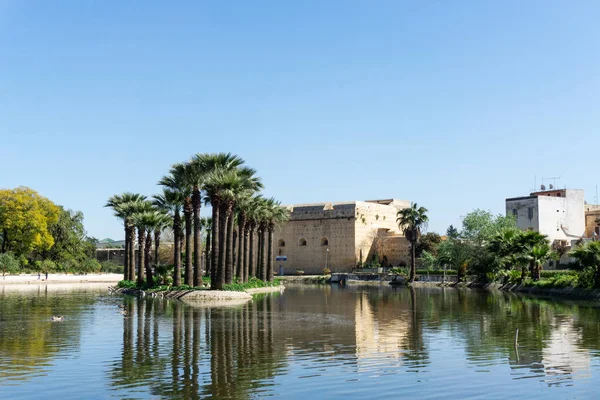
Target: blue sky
{"x":453,"y":104}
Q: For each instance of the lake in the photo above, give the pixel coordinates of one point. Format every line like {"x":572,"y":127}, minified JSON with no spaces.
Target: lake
{"x":309,"y":342}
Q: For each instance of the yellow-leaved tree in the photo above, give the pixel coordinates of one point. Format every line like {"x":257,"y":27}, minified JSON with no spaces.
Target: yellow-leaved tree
{"x":24,"y":220}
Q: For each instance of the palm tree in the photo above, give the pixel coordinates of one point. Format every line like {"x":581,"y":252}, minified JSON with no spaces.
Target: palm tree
{"x":171,"y":201}
{"x":276,"y":215}
{"x":195,"y":176}
{"x":142,"y":219}
{"x":183,"y":174}
{"x":537,"y":256}
{"x":122,"y":206}
{"x":588,"y":256}
{"x":411,"y":220}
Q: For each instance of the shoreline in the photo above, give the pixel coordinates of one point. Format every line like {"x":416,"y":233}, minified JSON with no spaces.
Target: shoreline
{"x":29,"y":279}
{"x":204,"y":297}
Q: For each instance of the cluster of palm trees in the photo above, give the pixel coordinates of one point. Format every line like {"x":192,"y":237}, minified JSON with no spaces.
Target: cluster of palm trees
{"x":239,"y":233}
{"x":515,"y":248}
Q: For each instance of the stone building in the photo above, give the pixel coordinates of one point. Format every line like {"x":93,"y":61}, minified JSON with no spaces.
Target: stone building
{"x":340,"y":235}
{"x":558,"y":214}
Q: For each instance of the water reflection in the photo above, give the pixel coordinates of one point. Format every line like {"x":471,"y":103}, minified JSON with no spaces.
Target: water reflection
{"x":319,"y":341}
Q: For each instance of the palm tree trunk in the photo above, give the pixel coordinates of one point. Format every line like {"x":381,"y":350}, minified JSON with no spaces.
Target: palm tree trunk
{"x":270,"y":256}
{"x":263,"y":258}
{"x":131,"y":253}
{"x":251,"y":256}
{"x":156,"y":245}
{"x":207,"y":253}
{"x":147,"y":252}
{"x":141,"y":241}
{"x":248,"y":256}
{"x":176,"y":249}
{"x":222,"y":247}
{"x":245,"y":264}
{"x":240,"y":249}
{"x":234,"y":244}
{"x":413,"y":270}
{"x":214,"y":257}
{"x":229,"y":247}
{"x":189,"y":271}
{"x":196,"y":204}
{"x":126,"y":261}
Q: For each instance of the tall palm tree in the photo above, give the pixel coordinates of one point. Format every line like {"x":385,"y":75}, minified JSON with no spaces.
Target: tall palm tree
{"x":253,"y":214}
{"x":142,"y":219}
{"x":171,"y":201}
{"x":276,"y":215}
{"x":411,"y":220}
{"x":122,"y":205}
{"x":195,"y":176}
{"x":182,"y":174}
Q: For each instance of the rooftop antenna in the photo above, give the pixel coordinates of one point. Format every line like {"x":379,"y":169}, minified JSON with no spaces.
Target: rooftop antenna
{"x":553,"y":178}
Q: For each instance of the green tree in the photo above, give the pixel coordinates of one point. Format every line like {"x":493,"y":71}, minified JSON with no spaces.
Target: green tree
{"x":411,"y":220}
{"x":71,"y":245}
{"x":25,"y":218}
{"x":429,"y":243}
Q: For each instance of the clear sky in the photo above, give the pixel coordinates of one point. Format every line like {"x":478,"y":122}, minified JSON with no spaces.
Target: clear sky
{"x":453,"y":104}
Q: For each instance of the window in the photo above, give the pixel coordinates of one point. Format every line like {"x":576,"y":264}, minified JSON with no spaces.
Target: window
{"x":281,"y":243}
{"x":557,"y":194}
{"x":515,"y":212}
{"x":530,"y":213}
{"x":302,"y":242}
{"x":324,"y":242}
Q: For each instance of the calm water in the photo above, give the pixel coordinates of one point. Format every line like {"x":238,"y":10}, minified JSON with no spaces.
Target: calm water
{"x":310,"y":342}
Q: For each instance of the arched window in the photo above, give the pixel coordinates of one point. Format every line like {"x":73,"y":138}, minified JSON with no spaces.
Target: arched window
{"x":324,"y":242}
{"x":302,"y":242}
{"x":281,"y":243}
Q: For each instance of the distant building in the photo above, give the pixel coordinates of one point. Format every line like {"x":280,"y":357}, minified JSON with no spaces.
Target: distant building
{"x":340,"y":235}
{"x":558,"y":214}
{"x":592,"y":221}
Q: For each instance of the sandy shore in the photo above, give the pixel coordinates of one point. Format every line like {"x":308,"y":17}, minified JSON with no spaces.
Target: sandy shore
{"x":60,"y":278}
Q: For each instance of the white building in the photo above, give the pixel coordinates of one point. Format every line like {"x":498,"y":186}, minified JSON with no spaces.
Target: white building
{"x":558,"y":214}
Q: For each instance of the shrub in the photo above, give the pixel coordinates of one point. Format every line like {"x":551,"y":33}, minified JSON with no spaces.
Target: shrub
{"x":326,"y":271}
{"x":127,"y":284}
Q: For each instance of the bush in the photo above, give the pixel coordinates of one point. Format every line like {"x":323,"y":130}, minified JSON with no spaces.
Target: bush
{"x":326,"y":271}
{"x":90,"y":265}
{"x":9,"y":264}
